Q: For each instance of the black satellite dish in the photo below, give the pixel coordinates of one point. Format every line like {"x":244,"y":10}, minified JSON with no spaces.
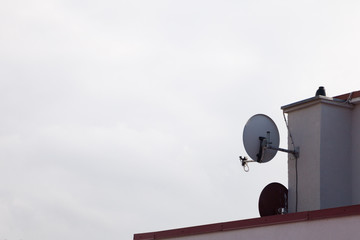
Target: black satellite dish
{"x":273,"y":200}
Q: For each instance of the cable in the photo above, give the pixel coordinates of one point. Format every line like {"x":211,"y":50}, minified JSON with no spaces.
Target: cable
{"x":296,"y":183}
{"x":287,"y":125}
{"x":296,"y":169}
{"x":349,"y":98}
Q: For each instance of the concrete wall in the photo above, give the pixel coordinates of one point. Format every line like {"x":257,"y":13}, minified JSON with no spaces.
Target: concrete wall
{"x":304,"y":124}
{"x":335,"y":156}
{"x":323,"y":130}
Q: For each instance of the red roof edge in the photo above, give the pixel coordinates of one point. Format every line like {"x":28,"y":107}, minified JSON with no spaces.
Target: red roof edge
{"x":250,"y":223}
{"x":346,"y":95}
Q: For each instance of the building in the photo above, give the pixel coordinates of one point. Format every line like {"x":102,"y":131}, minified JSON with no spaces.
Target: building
{"x":327,"y":131}
{"x":324,"y":181}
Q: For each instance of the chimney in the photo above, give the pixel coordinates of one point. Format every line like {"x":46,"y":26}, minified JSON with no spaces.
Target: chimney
{"x":327,"y":172}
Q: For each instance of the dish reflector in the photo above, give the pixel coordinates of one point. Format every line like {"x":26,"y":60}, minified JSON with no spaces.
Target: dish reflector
{"x":258,"y":128}
{"x":273,"y":200}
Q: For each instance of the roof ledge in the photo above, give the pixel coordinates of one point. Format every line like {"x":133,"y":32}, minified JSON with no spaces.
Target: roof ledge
{"x":315,"y":100}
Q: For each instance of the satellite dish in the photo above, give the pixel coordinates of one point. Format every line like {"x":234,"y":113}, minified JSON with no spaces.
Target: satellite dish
{"x":273,"y":200}
{"x":260,"y":138}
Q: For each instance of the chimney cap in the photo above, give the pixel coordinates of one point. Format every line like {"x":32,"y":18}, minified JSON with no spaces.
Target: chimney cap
{"x":320,"y":91}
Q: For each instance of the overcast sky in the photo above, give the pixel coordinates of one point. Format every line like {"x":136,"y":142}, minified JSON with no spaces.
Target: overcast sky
{"x":122,"y":117}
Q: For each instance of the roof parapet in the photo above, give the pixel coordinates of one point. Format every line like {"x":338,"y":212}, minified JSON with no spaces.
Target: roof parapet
{"x":315,"y":100}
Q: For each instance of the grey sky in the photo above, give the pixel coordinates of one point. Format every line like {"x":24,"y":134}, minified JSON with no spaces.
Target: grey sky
{"x":119,"y":117}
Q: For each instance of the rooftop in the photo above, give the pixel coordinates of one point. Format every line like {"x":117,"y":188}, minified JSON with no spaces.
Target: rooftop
{"x":336,"y":215}
{"x":252,"y":223}
{"x":348,"y":99}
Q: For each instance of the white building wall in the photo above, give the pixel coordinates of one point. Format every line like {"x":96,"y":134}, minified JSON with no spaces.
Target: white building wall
{"x":335,"y":155}
{"x":322,"y":129}
{"x":304,"y":124}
